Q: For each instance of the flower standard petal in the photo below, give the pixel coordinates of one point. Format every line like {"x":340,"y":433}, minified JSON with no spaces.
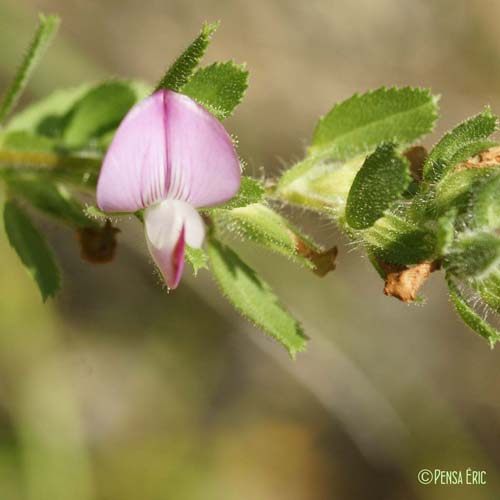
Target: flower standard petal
{"x":134,"y":171}
{"x":203,"y":165}
{"x":169,"y":225}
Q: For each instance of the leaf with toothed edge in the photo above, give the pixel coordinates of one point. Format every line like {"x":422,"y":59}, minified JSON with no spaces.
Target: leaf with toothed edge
{"x":456,"y":143}
{"x":253,"y":297}
{"x":180,"y":72}
{"x":219,"y":87}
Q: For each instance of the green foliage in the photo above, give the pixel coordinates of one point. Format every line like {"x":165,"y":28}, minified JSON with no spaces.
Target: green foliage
{"x":489,"y":290}
{"x":380,"y":182}
{"x":51,"y":198}
{"x":32,"y":249}
{"x":98,"y":111}
{"x":47,"y":28}
{"x":469,"y":136}
{"x":470,"y":317}
{"x":362,"y":122}
{"x":253,"y":297}
{"x":180,"y":72}
{"x":485,"y":209}
{"x":396,"y":240}
{"x":219,"y":87}
{"x":251,"y":191}
{"x":473,"y":255}
{"x":197,"y":258}
{"x":262,"y":225}
{"x":20,"y":140}
{"x":456,"y":189}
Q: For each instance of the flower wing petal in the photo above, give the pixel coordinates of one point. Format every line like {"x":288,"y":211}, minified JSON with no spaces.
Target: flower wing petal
{"x":203,"y":165}
{"x":134,"y":172}
{"x":169,"y":225}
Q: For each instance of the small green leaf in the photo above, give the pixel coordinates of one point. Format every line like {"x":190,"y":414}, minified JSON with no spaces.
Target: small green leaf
{"x":379,"y":183}
{"x":456,"y":189}
{"x":197,"y":258}
{"x":395,"y":240}
{"x":253,"y":297}
{"x":471,"y":150}
{"x":489,"y":290}
{"x":180,"y":72}
{"x":32,"y":249}
{"x":20,"y":140}
{"x":473,"y":255}
{"x":219,"y":87}
{"x":251,"y":191}
{"x":97,"y":112}
{"x":265,"y":227}
{"x":456,"y":143}
{"x":47,"y":28}
{"x":51,"y":198}
{"x":485,"y":211}
{"x":361,"y":123}
{"x":470,"y":317}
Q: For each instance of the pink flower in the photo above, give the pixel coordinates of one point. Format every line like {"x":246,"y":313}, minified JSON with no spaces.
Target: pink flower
{"x":169,"y":156}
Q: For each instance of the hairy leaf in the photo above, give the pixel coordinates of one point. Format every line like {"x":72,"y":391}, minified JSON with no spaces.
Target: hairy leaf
{"x":489,"y":290}
{"x":251,"y":191}
{"x":180,"y":72}
{"x":97,"y":112}
{"x":47,"y":28}
{"x":197,"y":258}
{"x":262,"y":225}
{"x":456,"y":189}
{"x":456,"y":143}
{"x":380,"y":181}
{"x":473,"y":255}
{"x":469,"y":316}
{"x":395,"y":240}
{"x":485,"y":211}
{"x":253,"y":297}
{"x":219,"y":87}
{"x":32,"y":249}
{"x":362,"y":122}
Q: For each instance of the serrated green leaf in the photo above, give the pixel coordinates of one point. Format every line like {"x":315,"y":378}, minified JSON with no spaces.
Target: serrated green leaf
{"x":51,"y":198}
{"x":455,"y":144}
{"x":469,"y":316}
{"x":219,"y":87}
{"x":379,"y":183}
{"x":361,"y":123}
{"x":485,"y":211}
{"x":197,"y":258}
{"x":263,"y":226}
{"x":32,"y":249}
{"x":47,"y":28}
{"x":253,"y":297}
{"x":180,"y":72}
{"x":473,"y":255}
{"x":251,"y":191}
{"x":97,"y":112}
{"x":395,"y":240}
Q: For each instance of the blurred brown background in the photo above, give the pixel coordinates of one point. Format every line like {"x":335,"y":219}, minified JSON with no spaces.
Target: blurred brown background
{"x":120,"y":391}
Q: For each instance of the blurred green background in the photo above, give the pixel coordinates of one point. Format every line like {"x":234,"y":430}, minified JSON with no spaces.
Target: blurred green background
{"x":120,"y":391}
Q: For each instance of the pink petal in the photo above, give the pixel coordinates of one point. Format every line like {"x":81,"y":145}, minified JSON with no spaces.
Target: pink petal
{"x":134,"y":171}
{"x":169,"y":225}
{"x":203,"y":165}
{"x":168,"y":146}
